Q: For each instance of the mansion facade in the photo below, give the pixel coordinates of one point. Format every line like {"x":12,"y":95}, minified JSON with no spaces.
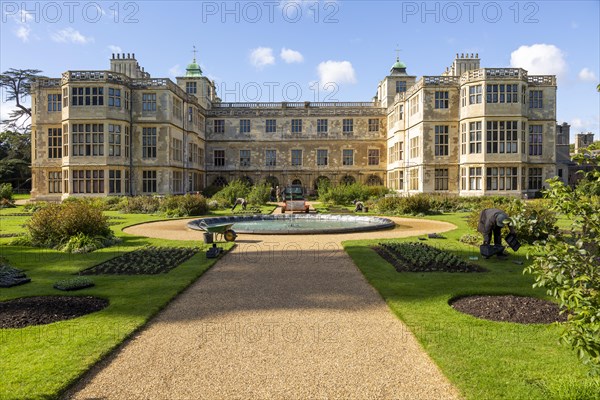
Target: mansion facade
{"x":469,"y":131}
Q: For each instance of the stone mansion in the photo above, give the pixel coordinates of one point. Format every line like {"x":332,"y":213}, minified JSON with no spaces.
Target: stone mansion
{"x":469,"y":131}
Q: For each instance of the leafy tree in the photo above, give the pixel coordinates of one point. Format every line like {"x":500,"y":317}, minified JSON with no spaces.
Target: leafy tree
{"x":15,"y":157}
{"x":17,"y":86}
{"x":567,"y":264}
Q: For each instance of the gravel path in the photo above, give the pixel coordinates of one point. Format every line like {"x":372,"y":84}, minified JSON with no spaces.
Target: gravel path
{"x":279,"y":317}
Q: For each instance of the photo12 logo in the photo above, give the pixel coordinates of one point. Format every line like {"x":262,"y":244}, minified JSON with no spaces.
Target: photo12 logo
{"x":70,"y":11}
{"x":291,"y":11}
{"x":469,"y":11}
{"x":277,"y":91}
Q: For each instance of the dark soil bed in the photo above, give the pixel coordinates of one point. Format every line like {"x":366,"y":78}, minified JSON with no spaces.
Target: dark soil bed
{"x":436,"y":261}
{"x":509,"y":308}
{"x":42,"y":310}
{"x":149,"y":260}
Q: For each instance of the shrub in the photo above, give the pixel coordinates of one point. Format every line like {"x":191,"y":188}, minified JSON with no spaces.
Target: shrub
{"x":211,"y":190}
{"x":56,"y":224}
{"x":235,"y":189}
{"x":389,"y":205}
{"x":469,"y":238}
{"x":184,"y":206}
{"x":139,"y":205}
{"x":82,"y":243}
{"x":112,"y":203}
{"x":6,"y":195}
{"x":566,"y":264}
{"x":6,"y":191}
{"x":447,"y":203}
{"x":345,"y":194}
{"x":80,"y":282}
{"x":532,"y":220}
{"x":417,"y":204}
{"x":260,"y":194}
{"x":33,"y":207}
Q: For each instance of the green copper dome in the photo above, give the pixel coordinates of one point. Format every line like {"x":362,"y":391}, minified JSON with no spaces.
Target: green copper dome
{"x":193,"y":69}
{"x":399,"y":65}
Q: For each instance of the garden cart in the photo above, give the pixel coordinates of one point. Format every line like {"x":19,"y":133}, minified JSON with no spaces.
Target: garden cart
{"x":219,"y":229}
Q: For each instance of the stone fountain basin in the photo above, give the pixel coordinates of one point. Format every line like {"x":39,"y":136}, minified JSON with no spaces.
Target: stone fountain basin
{"x":299,"y":224}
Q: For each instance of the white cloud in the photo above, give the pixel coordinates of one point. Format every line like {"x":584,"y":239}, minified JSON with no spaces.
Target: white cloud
{"x":291,"y":56}
{"x":115,"y":49}
{"x":70,"y":35}
{"x":23,"y":32}
{"x":175,"y":70}
{"x":336,"y":72}
{"x":587,"y":74}
{"x":261,"y":57}
{"x":539,"y":59}
{"x":583,"y":124}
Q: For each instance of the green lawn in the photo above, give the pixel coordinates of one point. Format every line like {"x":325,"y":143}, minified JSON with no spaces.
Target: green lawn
{"x":41,"y":361}
{"x":484,"y":359}
{"x":25,"y":196}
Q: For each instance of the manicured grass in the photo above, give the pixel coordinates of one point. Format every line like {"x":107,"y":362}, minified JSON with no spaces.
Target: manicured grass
{"x":41,"y":361}
{"x":25,"y":196}
{"x":484,"y":359}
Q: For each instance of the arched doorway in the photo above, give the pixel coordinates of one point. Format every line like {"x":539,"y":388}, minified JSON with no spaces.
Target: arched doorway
{"x":247,"y":180}
{"x":348,"y":180}
{"x":374,"y":180}
{"x":219,"y":181}
{"x":297,"y":182}
{"x":272,"y":181}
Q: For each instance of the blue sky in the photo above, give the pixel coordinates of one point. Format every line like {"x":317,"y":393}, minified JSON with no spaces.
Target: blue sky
{"x":273,"y":51}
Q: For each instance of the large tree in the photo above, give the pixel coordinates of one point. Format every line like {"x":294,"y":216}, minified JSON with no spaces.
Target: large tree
{"x":15,"y":140}
{"x":17,"y":86}
{"x":15,"y":158}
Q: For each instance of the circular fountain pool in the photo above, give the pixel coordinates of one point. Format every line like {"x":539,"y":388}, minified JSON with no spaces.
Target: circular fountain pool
{"x":282,"y":224}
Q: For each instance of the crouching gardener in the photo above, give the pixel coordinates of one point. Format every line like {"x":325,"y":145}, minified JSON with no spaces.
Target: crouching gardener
{"x":491,"y":221}
{"x":240,"y":201}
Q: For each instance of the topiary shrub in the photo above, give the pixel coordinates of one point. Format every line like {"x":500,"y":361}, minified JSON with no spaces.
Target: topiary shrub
{"x":56,"y":224}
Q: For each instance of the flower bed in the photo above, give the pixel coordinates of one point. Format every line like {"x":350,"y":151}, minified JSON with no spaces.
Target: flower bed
{"x":419,"y":257}
{"x":10,"y":276}
{"x":147,"y":261}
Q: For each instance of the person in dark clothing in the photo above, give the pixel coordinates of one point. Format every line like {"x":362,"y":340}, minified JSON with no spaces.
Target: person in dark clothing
{"x":491,"y":221}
